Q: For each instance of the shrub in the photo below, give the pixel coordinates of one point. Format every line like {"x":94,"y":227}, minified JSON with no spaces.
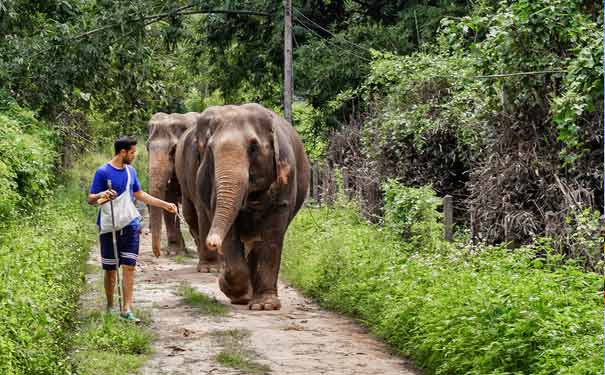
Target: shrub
{"x":27,"y":157}
{"x":463,"y":309}
{"x":41,"y":264}
{"x":413,"y":212}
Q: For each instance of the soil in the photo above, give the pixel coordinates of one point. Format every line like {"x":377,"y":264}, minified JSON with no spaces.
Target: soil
{"x":301,"y":338}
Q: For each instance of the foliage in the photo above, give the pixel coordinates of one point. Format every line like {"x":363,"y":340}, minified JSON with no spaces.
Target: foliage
{"x":304,"y":118}
{"x":463,"y":117}
{"x":462,"y":309}
{"x":564,"y":35}
{"x":413,"y":213}
{"x":106,"y":332}
{"x":41,"y":269}
{"x":582,"y":238}
{"x":334,"y":57}
{"x":107,"y":345}
{"x":27,"y":159}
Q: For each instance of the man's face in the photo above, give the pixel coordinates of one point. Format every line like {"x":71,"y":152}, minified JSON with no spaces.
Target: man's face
{"x":128,"y":156}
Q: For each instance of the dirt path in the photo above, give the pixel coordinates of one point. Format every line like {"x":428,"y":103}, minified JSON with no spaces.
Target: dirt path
{"x":299,"y":339}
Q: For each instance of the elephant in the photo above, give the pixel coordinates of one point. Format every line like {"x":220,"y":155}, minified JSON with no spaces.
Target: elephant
{"x":164,"y":133}
{"x":187,"y":162}
{"x":248,"y":174}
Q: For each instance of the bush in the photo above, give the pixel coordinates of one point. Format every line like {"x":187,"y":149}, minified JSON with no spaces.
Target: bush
{"x":460,"y":310}
{"x":27,"y":157}
{"x":413,"y":212}
{"x":42,"y":258}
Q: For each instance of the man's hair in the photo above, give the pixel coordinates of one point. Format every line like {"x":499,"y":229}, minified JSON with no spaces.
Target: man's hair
{"x":124,"y":143}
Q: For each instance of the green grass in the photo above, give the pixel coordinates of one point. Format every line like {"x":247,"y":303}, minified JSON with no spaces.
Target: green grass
{"x":201,"y":302}
{"x":107,"y":345}
{"x":454,"y":309}
{"x":235,"y":351}
{"x":180,"y":259}
{"x":93,"y":362}
{"x":42,"y":264}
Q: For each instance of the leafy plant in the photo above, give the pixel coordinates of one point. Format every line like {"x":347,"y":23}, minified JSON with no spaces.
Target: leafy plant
{"x":462,"y":309}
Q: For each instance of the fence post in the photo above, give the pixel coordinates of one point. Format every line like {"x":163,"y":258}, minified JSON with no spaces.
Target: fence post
{"x":345,"y":183}
{"x":448,"y":216}
{"x":315,"y":184}
{"x":327,"y":185}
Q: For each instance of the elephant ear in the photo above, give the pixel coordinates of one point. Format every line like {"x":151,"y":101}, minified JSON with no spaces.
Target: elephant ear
{"x":282,"y":155}
{"x":203,"y":129}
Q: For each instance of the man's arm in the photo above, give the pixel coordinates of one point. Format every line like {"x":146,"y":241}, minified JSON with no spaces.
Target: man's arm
{"x":152,"y":201}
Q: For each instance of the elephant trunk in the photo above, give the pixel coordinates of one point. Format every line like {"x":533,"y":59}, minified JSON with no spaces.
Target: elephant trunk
{"x":231,"y":179}
{"x":159,"y":174}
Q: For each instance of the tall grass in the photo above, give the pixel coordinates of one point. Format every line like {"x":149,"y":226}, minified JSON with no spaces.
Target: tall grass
{"x":455,"y":309}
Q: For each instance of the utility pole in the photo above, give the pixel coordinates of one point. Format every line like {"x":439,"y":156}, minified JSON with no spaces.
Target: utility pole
{"x":288,"y":86}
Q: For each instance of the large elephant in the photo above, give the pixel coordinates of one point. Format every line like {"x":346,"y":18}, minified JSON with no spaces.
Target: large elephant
{"x":164,"y":133}
{"x":251,"y":179}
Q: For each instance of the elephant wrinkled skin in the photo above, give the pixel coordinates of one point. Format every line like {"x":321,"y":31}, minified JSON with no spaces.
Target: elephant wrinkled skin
{"x":164,"y":133}
{"x":244,"y":176}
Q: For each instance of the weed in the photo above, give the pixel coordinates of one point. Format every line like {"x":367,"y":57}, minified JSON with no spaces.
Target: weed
{"x":236,"y":351}
{"x":201,"y":302}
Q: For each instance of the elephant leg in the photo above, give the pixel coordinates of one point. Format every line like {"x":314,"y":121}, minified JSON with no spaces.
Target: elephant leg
{"x":264,"y":262}
{"x":234,"y":281}
{"x":209,"y":261}
{"x":176,"y":244}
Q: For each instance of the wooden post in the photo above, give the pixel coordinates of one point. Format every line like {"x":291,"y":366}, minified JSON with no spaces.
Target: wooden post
{"x":329,"y":188}
{"x":345,"y":183}
{"x":288,"y":85}
{"x":315,"y":183}
{"x":448,"y":216}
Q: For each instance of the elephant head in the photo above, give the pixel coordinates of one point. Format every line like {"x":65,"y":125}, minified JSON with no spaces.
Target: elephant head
{"x":164,"y":133}
{"x":245,"y":155}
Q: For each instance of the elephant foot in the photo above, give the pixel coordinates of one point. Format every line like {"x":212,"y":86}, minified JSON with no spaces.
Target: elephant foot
{"x":204,"y":266}
{"x":267,"y":301}
{"x":176,"y":249}
{"x":243,"y":300}
{"x":238,"y":298}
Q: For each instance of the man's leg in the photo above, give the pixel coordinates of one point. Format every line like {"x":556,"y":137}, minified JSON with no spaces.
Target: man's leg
{"x":128,"y":244}
{"x":108,"y":262}
{"x":128,"y":285}
{"x":110,"y":285}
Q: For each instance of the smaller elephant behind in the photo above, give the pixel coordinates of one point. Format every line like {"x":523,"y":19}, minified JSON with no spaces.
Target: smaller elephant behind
{"x":246,"y":174}
{"x":187,"y":162}
{"x":164,"y":133}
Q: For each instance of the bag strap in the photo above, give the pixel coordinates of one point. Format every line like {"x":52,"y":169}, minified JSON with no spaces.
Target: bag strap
{"x":127,"y":181}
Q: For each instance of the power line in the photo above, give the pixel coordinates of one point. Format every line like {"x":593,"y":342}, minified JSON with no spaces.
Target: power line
{"x":328,"y":41}
{"x":182,"y":11}
{"x":329,"y":32}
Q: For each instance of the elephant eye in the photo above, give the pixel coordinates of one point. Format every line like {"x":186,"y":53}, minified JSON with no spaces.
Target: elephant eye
{"x":253,"y":148}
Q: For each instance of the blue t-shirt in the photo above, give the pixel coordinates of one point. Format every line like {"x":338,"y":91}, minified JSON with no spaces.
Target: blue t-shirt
{"x":118,"y":178}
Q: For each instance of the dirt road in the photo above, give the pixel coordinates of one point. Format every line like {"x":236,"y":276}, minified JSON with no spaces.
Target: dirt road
{"x":301,"y":338}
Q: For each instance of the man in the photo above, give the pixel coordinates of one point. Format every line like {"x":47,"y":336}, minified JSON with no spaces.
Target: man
{"x":125,"y":187}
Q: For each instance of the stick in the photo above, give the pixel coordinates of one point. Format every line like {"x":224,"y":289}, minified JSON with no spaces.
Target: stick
{"x":115,"y":252}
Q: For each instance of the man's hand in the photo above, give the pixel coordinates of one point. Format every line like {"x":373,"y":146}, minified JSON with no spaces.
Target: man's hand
{"x":102,"y":197}
{"x":108,"y":195}
{"x":170,"y":207}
